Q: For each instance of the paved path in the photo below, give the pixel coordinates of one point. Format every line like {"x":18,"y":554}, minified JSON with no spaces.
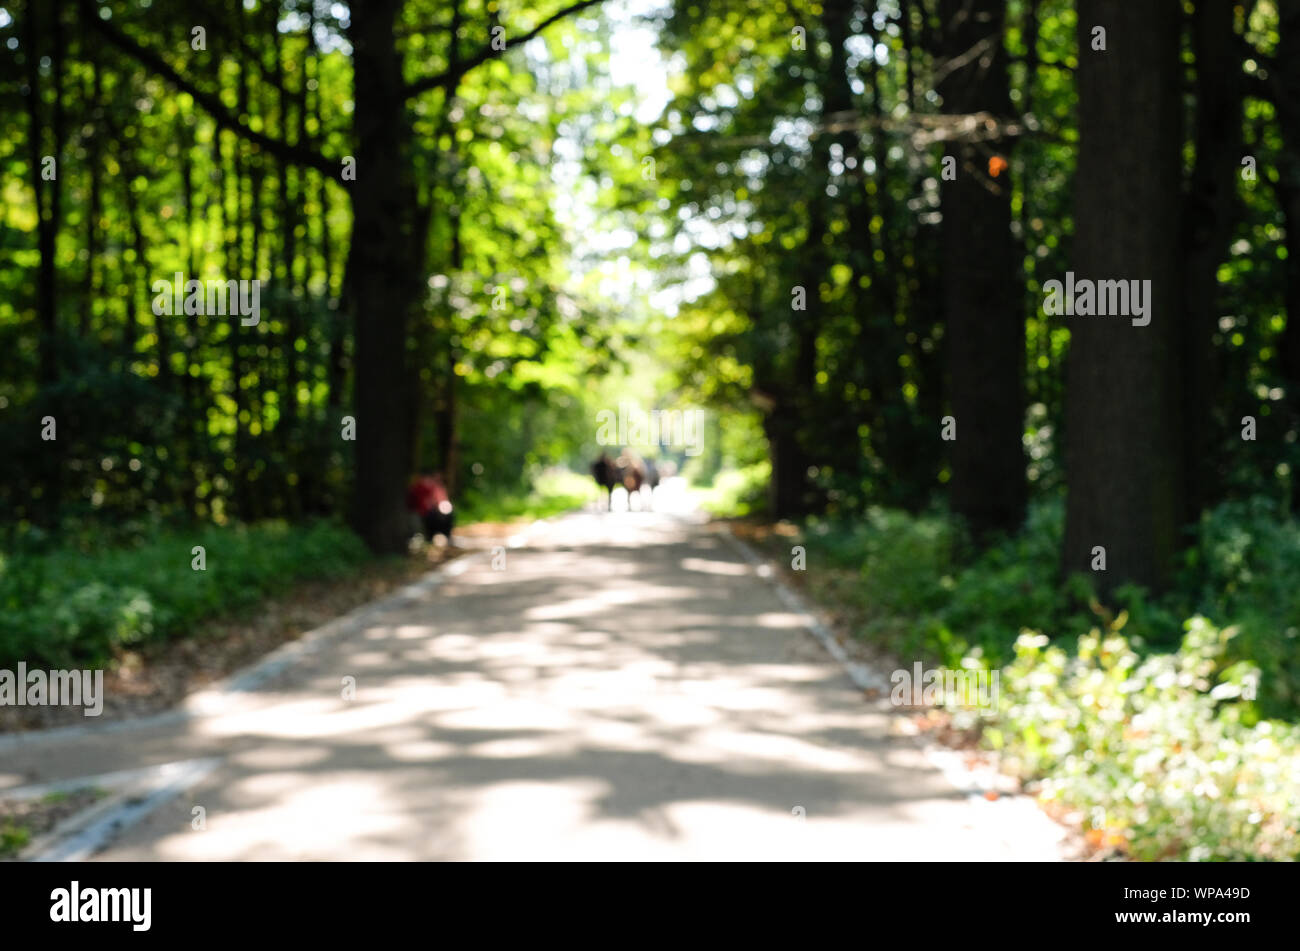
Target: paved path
{"x":626,"y":688}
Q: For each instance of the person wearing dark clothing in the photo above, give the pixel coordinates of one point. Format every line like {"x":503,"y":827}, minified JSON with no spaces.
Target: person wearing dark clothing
{"x":607,"y":475}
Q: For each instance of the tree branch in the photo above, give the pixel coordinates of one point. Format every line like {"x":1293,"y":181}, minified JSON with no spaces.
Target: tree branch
{"x":453,"y":73}
{"x":295,"y":154}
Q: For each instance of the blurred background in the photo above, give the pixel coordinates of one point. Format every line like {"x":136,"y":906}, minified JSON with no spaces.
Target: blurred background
{"x":827,"y":227}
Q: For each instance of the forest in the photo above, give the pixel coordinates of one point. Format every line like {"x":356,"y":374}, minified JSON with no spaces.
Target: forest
{"x":985,"y":304}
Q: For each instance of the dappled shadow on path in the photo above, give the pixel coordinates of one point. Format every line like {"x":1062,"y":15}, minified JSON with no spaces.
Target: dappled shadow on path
{"x":625,"y":688}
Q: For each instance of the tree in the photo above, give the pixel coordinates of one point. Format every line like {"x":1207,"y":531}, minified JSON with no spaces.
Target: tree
{"x":983,"y":312}
{"x":1209,"y":215}
{"x":1124,"y":428}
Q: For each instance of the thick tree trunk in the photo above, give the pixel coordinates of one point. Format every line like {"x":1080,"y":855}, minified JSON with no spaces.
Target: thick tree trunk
{"x":983,"y":310}
{"x":384,"y":277}
{"x":1124,"y":422}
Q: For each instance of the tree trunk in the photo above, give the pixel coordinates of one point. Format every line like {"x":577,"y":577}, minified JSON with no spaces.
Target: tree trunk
{"x":1208,"y":218}
{"x":47,"y":229}
{"x":983,"y":311}
{"x":1287,"y":187}
{"x":383,"y":277}
{"x":47,"y":203}
{"x":1124,"y":422}
{"x":787,"y":493}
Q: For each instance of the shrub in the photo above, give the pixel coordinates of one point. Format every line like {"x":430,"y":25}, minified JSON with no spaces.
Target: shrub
{"x":1156,"y":752}
{"x":62,"y":607}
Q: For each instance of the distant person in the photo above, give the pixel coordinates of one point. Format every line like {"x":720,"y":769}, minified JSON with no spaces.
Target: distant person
{"x":635,"y":476}
{"x":607,"y":475}
{"x":651,"y":479}
{"x":633,"y":472}
{"x":427,"y":497}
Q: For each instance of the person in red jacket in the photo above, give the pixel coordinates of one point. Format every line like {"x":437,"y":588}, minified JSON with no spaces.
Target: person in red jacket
{"x":427,"y":497}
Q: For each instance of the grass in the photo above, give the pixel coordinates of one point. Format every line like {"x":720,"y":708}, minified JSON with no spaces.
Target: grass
{"x":77,"y":605}
{"x":13,"y":838}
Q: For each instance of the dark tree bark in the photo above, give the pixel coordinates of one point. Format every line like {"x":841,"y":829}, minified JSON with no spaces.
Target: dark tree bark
{"x":1124,"y":424}
{"x":1285,"y":93}
{"x":47,"y":192}
{"x":982,"y":305}
{"x":788,"y":495}
{"x":383,"y":277}
{"x":39,"y":38}
{"x":1209,"y":215}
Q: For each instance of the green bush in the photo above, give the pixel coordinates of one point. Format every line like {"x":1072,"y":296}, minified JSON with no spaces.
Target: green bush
{"x":736,"y":492}
{"x":63,"y":607}
{"x":1162,"y":753}
{"x":1246,"y":569}
{"x":914,"y":592}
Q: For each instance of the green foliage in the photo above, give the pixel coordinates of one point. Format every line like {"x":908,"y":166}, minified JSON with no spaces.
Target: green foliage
{"x":1246,"y":568}
{"x":552,"y":492}
{"x":13,"y":838}
{"x":914,"y":586}
{"x":1153,"y":751}
{"x":196,"y":417}
{"x":65,"y":607}
{"x":737,"y":492}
